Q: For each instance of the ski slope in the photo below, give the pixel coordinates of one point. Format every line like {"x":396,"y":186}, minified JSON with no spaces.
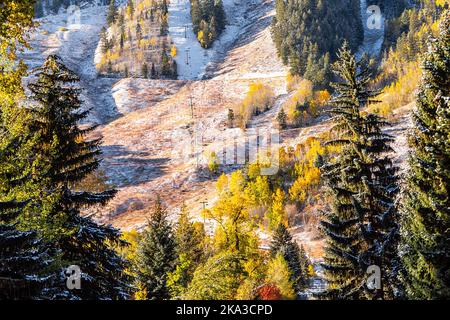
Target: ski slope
{"x":192,"y":59}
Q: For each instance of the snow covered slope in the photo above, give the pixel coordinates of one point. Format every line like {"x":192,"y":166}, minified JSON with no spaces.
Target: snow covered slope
{"x":193,"y":60}
{"x":75,"y":41}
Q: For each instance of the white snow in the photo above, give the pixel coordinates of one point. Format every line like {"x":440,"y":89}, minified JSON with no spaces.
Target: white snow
{"x":75,"y":41}
{"x":192,"y":59}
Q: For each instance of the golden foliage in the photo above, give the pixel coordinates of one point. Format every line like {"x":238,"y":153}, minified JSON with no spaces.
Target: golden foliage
{"x":400,"y":92}
{"x":278,"y":273}
{"x":259,"y":99}
{"x":173,"y":51}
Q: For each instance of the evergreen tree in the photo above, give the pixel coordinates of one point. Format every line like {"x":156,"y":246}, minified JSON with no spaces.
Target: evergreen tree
{"x":153,"y":71}
{"x":23,"y":258}
{"x":190,"y":237}
{"x":156,"y":254}
{"x":361,"y":227}
{"x":425,"y":245}
{"x":61,"y":158}
{"x":164,"y":28}
{"x":38,"y":9}
{"x":145,"y":70}
{"x":138,"y":32}
{"x":122,"y":40}
{"x":112,"y":12}
{"x":282,"y":119}
{"x":164,"y":7}
{"x":231,"y":118}
{"x":295,"y":257}
{"x":165,"y":63}
{"x":174,"y":67}
{"x":104,"y":40}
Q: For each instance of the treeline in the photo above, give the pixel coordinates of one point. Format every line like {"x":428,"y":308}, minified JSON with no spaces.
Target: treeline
{"x":406,"y":39}
{"x":136,"y":43}
{"x":208,"y":19}
{"x":307,"y":34}
{"x":182,"y":262}
{"x":42,"y":7}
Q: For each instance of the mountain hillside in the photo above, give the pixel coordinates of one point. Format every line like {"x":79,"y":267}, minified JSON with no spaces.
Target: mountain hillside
{"x":143,"y":121}
{"x":226,"y":149}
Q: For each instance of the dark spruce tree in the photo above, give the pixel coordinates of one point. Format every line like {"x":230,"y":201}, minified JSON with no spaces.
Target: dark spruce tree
{"x":425,"y":245}
{"x":361,"y":227}
{"x":294,"y":255}
{"x":60,"y":158}
{"x":156,"y":255}
{"x":24,"y":260}
{"x":112,"y":12}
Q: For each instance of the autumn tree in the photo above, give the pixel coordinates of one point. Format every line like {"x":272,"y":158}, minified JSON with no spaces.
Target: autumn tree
{"x":268,"y":292}
{"x":218,"y":278}
{"x":235,"y":231}
{"x":276,"y":215}
{"x":278,"y":274}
